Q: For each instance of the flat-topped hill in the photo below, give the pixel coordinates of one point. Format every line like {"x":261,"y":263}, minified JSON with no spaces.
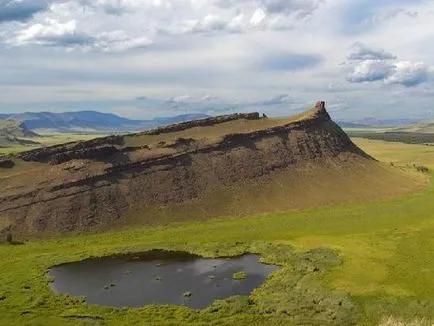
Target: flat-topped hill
{"x":233,"y":165}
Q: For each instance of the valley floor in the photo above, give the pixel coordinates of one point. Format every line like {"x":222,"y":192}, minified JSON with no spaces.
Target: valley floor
{"x":352,"y":264}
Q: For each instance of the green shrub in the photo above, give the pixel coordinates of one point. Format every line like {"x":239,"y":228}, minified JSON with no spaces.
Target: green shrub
{"x":421,"y":168}
{"x":8,"y":237}
{"x":239,"y":276}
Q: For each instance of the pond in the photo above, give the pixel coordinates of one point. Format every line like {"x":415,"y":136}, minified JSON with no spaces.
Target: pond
{"x":160,"y":277}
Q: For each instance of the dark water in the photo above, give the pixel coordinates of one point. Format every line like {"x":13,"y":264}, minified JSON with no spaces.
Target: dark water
{"x":159,"y":278}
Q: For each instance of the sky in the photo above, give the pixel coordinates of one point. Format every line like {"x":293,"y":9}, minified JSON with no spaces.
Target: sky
{"x":147,"y":58}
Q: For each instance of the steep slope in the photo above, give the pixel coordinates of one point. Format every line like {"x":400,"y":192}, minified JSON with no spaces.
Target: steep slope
{"x":231,"y":165}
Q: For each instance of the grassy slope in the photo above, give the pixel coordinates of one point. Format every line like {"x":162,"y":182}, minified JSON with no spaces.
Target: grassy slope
{"x":212,"y":132}
{"x":386,"y":246}
{"x":419,"y":127}
{"x":242,"y":125}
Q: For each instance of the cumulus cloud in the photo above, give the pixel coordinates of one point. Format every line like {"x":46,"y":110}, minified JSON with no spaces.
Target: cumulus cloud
{"x":370,"y":71}
{"x":58,"y":21}
{"x":258,"y":20}
{"x":363,"y":51}
{"x":370,"y":64}
{"x":409,"y":73}
{"x":242,"y":16}
{"x":53,"y":33}
{"x":404,"y":73}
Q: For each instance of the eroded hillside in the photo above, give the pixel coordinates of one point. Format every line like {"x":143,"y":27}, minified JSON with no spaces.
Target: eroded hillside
{"x":231,"y":165}
{"x":11,"y":132}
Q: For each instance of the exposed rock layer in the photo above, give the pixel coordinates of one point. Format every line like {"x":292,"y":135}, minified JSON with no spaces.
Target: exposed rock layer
{"x":6,"y":163}
{"x":95,"y":184}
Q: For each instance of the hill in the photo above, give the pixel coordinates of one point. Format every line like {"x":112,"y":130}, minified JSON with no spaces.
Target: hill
{"x":15,"y":128}
{"x":233,"y":165}
{"x":421,"y":127}
{"x":11,"y":132}
{"x":350,"y":125}
{"x":92,"y":121}
{"x":383,"y":123}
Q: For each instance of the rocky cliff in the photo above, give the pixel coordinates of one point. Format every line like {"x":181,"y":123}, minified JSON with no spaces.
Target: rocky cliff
{"x":104,"y":183}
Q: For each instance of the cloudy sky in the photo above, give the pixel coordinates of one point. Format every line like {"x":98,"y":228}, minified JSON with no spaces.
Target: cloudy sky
{"x":147,"y":58}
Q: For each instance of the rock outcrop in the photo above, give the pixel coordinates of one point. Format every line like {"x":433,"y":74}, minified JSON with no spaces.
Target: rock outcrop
{"x":89,"y":187}
{"x":92,"y":149}
{"x":203,"y":123}
{"x":6,"y":163}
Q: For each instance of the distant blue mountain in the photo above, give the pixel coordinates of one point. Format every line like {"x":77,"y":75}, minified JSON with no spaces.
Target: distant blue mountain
{"x":376,"y":123}
{"x":93,"y":121}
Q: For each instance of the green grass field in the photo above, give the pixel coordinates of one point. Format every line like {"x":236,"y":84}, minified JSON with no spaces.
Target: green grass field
{"x":341,"y":265}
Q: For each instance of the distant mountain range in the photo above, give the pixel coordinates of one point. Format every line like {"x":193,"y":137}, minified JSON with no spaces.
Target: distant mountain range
{"x":377,"y":123}
{"x":98,"y":122}
{"x":347,"y":124}
{"x":91,"y":121}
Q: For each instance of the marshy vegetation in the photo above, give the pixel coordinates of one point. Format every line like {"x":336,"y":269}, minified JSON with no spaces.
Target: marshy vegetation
{"x":239,"y":276}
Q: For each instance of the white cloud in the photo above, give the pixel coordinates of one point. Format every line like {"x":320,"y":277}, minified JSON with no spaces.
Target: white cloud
{"x":241,"y":51}
{"x":210,"y":23}
{"x":370,"y":64}
{"x":409,"y":73}
{"x":405,"y":73}
{"x":370,"y":71}
{"x":51,"y":33}
{"x":300,"y":8}
{"x":258,"y":16}
{"x":67,"y":35}
{"x":363,"y":51}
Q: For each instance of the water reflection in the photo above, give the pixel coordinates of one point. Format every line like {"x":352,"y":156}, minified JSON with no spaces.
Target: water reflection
{"x":135,"y":281}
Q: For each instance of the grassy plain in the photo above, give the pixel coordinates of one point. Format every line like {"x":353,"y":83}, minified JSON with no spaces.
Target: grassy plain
{"x":376,"y":261}
{"x":46,"y":140}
